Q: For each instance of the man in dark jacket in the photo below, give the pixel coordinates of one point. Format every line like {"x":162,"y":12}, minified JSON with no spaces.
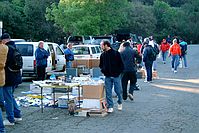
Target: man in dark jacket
{"x":129,"y":73}
{"x":111,"y":66}
{"x":13,"y":79}
{"x":148,"y":59}
{"x":41,"y":56}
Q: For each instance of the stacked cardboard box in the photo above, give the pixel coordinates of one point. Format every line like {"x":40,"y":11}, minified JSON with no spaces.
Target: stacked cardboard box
{"x":88,"y":63}
{"x":93,"y":97}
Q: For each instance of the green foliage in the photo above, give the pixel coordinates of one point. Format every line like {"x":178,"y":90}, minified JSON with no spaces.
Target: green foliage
{"x":52,"y":19}
{"x":141,"y":19}
{"x":88,"y":17}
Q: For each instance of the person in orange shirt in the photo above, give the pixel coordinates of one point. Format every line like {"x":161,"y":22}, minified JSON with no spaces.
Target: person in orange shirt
{"x":175,"y":52}
{"x":164,"y":47}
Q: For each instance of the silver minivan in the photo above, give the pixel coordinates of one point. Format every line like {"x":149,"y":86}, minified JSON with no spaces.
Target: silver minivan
{"x":55,"y":62}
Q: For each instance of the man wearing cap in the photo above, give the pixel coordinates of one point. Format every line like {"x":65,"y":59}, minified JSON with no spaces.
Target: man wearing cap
{"x":12,"y":79}
{"x":3,"y":51}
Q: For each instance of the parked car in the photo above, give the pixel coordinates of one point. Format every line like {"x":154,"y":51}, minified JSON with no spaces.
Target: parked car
{"x":79,"y":40}
{"x":86,"y":51}
{"x":18,"y":40}
{"x":97,"y":39}
{"x":55,"y":62}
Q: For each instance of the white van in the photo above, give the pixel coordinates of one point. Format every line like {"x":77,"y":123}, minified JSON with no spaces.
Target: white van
{"x":86,"y":51}
{"x":56,"y":60}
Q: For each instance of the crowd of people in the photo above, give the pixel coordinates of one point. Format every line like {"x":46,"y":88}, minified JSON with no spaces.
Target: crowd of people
{"x":119,"y":67}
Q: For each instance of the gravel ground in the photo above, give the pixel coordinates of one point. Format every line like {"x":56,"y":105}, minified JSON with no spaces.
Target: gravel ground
{"x":168,"y":105}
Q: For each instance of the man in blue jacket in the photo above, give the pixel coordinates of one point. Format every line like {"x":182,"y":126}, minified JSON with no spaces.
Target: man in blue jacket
{"x":13,"y":79}
{"x":69,"y":55}
{"x":130,"y":68}
{"x":41,"y":56}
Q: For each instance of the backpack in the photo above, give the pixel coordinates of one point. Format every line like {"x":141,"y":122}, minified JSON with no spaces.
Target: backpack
{"x":156,"y":49}
{"x":183,"y":49}
{"x":153,"y":54}
{"x":17,"y":60}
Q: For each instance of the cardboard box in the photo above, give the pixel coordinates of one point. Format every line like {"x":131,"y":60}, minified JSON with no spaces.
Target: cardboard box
{"x":57,"y":95}
{"x":93,"y":91}
{"x":88,"y":63}
{"x":36,"y":89}
{"x":63,"y":101}
{"x":141,"y":73}
{"x":94,"y":103}
{"x":155,"y":75}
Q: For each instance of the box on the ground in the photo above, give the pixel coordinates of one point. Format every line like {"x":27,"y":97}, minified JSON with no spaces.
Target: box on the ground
{"x":93,"y":91}
{"x":141,"y":73}
{"x":97,"y":104}
{"x":155,"y":75}
{"x":36,"y":89}
{"x":57,"y":95}
{"x":63,"y":101}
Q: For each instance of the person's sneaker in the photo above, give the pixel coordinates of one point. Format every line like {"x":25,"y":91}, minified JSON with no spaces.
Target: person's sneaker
{"x":110,"y":110}
{"x":18,"y":119}
{"x":175,"y":71}
{"x":130,"y":97}
{"x":172,"y":69}
{"x":7,"y":123}
{"x":119,"y":107}
{"x":164,"y":62}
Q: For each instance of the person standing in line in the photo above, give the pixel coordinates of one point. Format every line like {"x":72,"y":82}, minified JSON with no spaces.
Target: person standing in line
{"x":169,"y":40}
{"x":41,"y":56}
{"x":183,"y":46}
{"x":129,"y":73}
{"x":3,"y":57}
{"x":12,"y":79}
{"x":69,"y":55}
{"x":164,"y":47}
{"x":175,"y":52}
{"x":148,"y":58}
{"x":156,"y":50}
{"x":111,"y":66}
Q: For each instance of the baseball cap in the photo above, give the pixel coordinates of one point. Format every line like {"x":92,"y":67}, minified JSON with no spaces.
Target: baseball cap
{"x":5,"y":36}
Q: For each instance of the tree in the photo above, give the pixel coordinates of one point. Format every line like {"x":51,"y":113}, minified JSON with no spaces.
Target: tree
{"x":141,"y":19}
{"x":88,"y":17}
{"x":166,"y":19}
{"x":38,"y":27}
{"x":188,"y":23}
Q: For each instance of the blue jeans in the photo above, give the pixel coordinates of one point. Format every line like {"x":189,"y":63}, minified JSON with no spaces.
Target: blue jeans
{"x":68,"y":64}
{"x":164,"y":55}
{"x":184,"y":60}
{"x":148,"y":67}
{"x":175,"y":61}
{"x":109,"y":82}
{"x":12,"y":109}
{"x":2,"y":129}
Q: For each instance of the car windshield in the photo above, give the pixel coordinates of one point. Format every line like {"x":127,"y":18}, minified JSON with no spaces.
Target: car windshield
{"x":81,"y":50}
{"x":97,"y":40}
{"x":75,"y":39}
{"x":25,"y":50}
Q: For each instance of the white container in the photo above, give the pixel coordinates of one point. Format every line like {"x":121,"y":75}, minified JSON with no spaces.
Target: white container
{"x":36,"y":89}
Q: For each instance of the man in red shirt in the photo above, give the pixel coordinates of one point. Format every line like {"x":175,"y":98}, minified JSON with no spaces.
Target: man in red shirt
{"x":164,"y":47}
